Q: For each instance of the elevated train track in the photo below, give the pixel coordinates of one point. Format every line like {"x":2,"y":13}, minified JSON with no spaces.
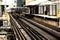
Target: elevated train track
{"x":26,"y":29}
{"x":31,"y":31}
{"x":17,"y":30}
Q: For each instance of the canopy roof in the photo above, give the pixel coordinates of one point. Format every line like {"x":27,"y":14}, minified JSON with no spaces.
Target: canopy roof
{"x":49,"y":3}
{"x":46,"y":3}
{"x":43,"y":2}
{"x":36,"y":2}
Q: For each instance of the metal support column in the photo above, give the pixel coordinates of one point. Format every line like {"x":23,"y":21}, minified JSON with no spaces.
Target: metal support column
{"x":50,"y":9}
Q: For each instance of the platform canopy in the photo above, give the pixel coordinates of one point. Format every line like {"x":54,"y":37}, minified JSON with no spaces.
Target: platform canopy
{"x":56,"y":2}
{"x":36,"y":2}
{"x":46,"y":3}
{"x":49,"y":3}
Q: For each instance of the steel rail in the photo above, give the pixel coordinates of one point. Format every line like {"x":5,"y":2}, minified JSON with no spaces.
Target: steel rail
{"x":34,"y":33}
{"x":37,"y":30}
{"x":30,"y":25}
{"x":51,"y":31}
{"x":21,"y":32}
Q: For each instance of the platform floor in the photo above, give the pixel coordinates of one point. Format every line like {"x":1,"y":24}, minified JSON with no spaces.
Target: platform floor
{"x":50,"y":22}
{"x":1,"y":38}
{"x":47,"y":23}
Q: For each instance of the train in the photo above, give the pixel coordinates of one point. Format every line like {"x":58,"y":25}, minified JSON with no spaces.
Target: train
{"x":19,"y":10}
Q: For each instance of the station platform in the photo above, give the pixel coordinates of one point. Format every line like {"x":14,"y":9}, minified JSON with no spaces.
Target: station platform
{"x":46,"y":16}
{"x":44,"y":19}
{"x":43,"y":16}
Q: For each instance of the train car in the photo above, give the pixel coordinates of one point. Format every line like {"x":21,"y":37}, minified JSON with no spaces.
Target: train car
{"x":20,"y":10}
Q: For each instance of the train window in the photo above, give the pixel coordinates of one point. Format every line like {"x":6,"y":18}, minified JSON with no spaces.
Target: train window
{"x":26,"y":10}
{"x":20,"y":10}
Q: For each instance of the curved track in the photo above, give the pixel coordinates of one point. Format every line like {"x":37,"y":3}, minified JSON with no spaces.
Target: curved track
{"x":33,"y":32}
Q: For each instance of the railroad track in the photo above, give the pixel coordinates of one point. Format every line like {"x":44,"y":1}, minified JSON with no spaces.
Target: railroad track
{"x":47,"y":29}
{"x":33,"y":32}
{"x":18,"y":31}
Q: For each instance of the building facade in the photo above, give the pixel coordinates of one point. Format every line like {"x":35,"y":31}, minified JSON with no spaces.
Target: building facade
{"x":7,"y":4}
